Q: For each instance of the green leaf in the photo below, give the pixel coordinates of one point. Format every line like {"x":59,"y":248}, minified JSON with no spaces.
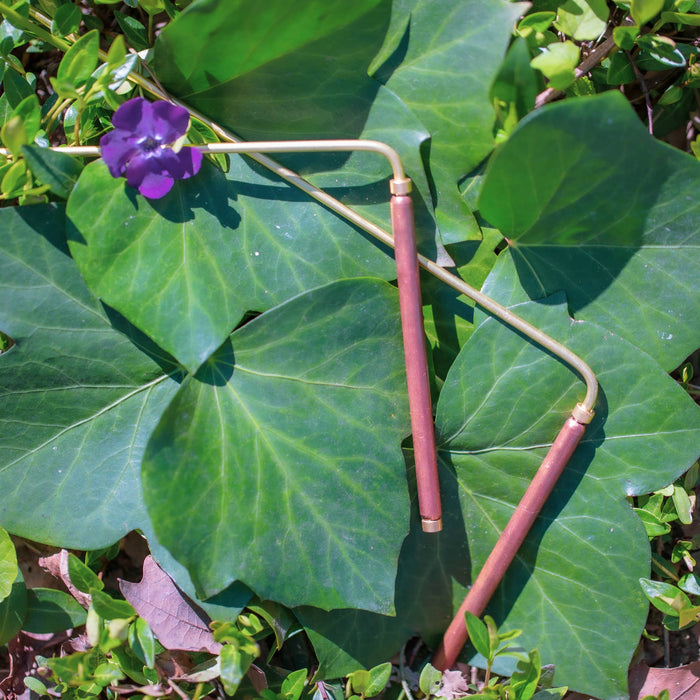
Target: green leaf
{"x":80,"y":60}
{"x":144,"y":644}
{"x":445,"y":77}
{"x":66,"y":20}
{"x":109,"y":608}
{"x":557,"y":62}
{"x":358,"y":681}
{"x":217,"y":258}
{"x":50,"y":611}
{"x":501,"y":406}
{"x":8,"y":564}
{"x":16,"y":88}
{"x":431,"y":579}
{"x":449,"y":315}
{"x":430,"y":679}
{"x":284,"y":394}
{"x":625,"y":36}
{"x":57,"y":170}
{"x":35,"y":685}
{"x":81,"y":576}
{"x":665,"y":596}
{"x":14,"y":135}
{"x":631,"y":261}
{"x":378,"y":678}
{"x":582,"y":20}
{"x":526,"y":677}
{"x":134,"y":31}
{"x":293,"y":684}
{"x":13,"y":610}
{"x":79,"y":396}
{"x":29,"y":112}
{"x":478,"y":634}
{"x":233,"y":665}
{"x":691,"y":20}
{"x":652,"y":523}
{"x":643,"y":11}
{"x":516,"y":86}
{"x":270,"y":63}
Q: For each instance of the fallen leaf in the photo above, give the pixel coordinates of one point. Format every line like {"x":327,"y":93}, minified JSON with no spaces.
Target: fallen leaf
{"x":169,"y":613}
{"x":682,"y":682}
{"x":57,"y":565}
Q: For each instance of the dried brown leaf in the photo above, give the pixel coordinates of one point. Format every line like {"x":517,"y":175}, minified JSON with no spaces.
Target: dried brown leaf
{"x":682,"y":682}
{"x":174,"y":619}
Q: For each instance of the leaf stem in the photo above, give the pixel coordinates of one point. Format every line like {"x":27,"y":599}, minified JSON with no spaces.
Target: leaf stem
{"x":645,"y":90}
{"x":22,"y":23}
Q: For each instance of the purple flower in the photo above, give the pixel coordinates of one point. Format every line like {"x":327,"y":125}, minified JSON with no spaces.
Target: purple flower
{"x":140,"y":146}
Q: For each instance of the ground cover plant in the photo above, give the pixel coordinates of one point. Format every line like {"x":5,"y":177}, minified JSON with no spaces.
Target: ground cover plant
{"x":196,"y":350}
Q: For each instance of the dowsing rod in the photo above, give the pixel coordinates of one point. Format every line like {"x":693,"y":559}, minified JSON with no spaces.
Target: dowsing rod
{"x":402,"y":220}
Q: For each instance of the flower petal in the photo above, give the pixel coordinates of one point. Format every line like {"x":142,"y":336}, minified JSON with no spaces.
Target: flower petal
{"x":170,"y":122}
{"x":155,"y":186}
{"x":148,"y":175}
{"x":135,"y":115}
{"x":117,"y":147}
{"x":189,"y":161}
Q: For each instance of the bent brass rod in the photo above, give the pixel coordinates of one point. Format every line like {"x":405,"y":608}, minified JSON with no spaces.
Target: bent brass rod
{"x":485,"y":302}
{"x":488,"y":304}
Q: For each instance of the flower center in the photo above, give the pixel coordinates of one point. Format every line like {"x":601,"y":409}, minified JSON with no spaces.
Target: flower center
{"x":150,"y":144}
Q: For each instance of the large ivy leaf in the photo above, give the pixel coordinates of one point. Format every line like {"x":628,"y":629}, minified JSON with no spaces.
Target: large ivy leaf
{"x":224,"y":245}
{"x":263,"y":91}
{"x":592,"y":205}
{"x":78,"y":399}
{"x":453,"y":52}
{"x":503,"y":402}
{"x":290,"y":71}
{"x":431,"y":579}
{"x":300,"y":414}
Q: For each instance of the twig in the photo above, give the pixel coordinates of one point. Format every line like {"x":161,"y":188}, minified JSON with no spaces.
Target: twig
{"x":402,"y":668}
{"x":178,"y":690}
{"x":593,"y":59}
{"x":645,"y":90}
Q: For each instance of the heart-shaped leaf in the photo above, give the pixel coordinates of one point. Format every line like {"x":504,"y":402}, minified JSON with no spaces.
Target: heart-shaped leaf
{"x":301,"y":414}
{"x":599,"y":209}
{"x":224,"y":246}
{"x":502,"y":404}
{"x":78,"y":399}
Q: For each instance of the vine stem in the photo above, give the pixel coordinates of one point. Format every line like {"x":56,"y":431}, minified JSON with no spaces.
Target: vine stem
{"x":645,"y":91}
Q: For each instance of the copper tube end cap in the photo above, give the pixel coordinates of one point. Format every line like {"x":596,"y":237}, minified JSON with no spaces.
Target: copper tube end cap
{"x":582,"y":415}
{"x":431,"y":525}
{"x":398,"y":186}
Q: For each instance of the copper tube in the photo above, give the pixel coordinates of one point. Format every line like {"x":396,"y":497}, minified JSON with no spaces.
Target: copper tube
{"x":417,"y":376}
{"x":509,"y":542}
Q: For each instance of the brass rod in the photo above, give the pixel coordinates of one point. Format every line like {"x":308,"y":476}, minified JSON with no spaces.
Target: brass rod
{"x":511,"y":539}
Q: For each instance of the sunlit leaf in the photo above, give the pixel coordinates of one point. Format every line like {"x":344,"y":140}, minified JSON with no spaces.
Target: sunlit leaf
{"x":599,"y":209}
{"x":300,"y":414}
